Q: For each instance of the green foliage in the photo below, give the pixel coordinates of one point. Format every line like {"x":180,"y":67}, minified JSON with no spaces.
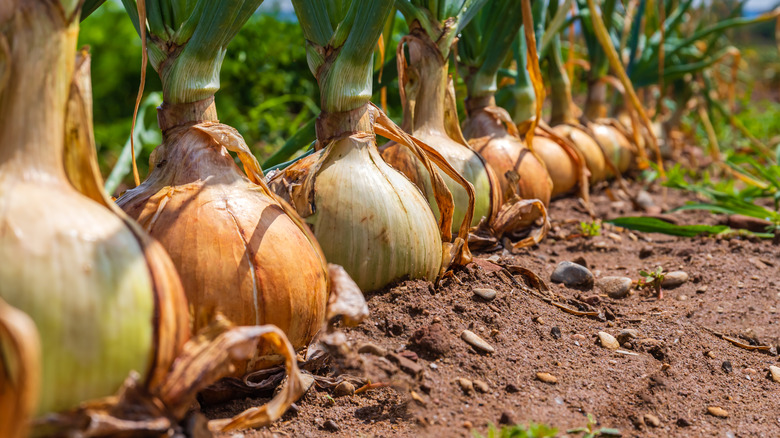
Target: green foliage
{"x":267,"y":91}
{"x":532,"y":430}
{"x":590,"y":229}
{"x":589,"y":430}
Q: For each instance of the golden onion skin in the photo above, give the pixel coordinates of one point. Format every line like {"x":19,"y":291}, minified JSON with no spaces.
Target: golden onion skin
{"x":508,"y":155}
{"x":587,"y":146}
{"x":563,"y":171}
{"x":236,"y":250}
{"x":368,"y":217}
{"x":96,"y":290}
{"x":615,"y":145}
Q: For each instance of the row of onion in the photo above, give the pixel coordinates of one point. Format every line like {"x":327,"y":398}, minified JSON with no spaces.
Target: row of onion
{"x":115,"y":288}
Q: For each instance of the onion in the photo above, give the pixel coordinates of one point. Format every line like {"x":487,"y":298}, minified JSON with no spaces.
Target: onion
{"x":104,"y":297}
{"x":588,"y":147}
{"x":520,"y":172}
{"x":239,"y":250}
{"x":366,"y":215}
{"x":430,"y":116}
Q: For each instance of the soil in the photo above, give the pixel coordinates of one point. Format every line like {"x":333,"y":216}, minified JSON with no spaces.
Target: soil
{"x":659,"y":383}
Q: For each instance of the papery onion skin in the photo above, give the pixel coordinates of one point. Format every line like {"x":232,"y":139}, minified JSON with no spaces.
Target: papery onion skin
{"x":236,"y":250}
{"x":508,"y":155}
{"x":368,"y":217}
{"x":588,"y":147}
{"x":427,"y":105}
{"x":462,"y":159}
{"x":617,"y":148}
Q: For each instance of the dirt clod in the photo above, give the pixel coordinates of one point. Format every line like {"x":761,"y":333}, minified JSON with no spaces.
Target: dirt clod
{"x":344,"y":388}
{"x":331,"y":426}
{"x":431,"y":341}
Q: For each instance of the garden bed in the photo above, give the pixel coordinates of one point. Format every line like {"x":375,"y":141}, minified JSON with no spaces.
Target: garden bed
{"x":693,"y":350}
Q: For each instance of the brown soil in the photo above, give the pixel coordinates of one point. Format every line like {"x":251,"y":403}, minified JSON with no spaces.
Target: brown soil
{"x":674,"y":370}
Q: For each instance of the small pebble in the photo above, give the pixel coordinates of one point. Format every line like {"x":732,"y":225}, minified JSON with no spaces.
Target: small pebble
{"x":555,"y":332}
{"x":627,"y":335}
{"x":511,"y":388}
{"x":330,"y":426}
{"x":774,"y":371}
{"x":682,"y":298}
{"x":726,"y":366}
{"x":615,"y":287}
{"x":717,"y":412}
{"x":466,"y":385}
{"x":683,"y":422}
{"x":344,"y":388}
{"x":475,"y":341}
{"x":710,"y":354}
{"x":571,"y":274}
{"x":481,"y":386}
{"x":485,"y":294}
{"x":674,"y":279}
{"x":467,"y":425}
{"x":644,"y":199}
{"x":615,"y":237}
{"x":652,"y":420}
{"x":608,"y":341}
{"x":750,"y":371}
{"x":506,"y":418}
{"x":547,"y":378}
{"x":701,"y":289}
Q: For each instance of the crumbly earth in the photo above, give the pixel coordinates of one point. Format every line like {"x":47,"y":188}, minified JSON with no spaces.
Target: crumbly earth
{"x":660,"y":383}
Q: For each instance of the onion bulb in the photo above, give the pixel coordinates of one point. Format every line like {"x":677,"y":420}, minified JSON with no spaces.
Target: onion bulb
{"x":366,"y":215}
{"x":104,"y":297}
{"x":238,"y":250}
{"x":520,"y":172}
{"x":430,"y":116}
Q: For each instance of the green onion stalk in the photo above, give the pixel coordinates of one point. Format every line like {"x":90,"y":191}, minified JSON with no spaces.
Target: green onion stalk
{"x":613,"y":137}
{"x":104,"y":297}
{"x":430,"y":111}
{"x":366,"y":215}
{"x":239,"y":250}
{"x":483,"y":48}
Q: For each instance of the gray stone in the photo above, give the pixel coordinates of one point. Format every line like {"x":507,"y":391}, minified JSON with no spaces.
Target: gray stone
{"x":485,"y":293}
{"x":626,"y":335}
{"x":615,"y":287}
{"x":674,"y":279}
{"x":572,"y":274}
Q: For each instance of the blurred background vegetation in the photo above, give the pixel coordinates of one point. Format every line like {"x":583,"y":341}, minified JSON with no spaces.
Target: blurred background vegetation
{"x":268,"y":93}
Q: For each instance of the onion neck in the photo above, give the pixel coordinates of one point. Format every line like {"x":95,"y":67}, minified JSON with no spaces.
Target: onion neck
{"x":596,"y":103}
{"x":560,"y":87}
{"x":432,"y":68}
{"x":39,"y":68}
{"x":334,"y":125}
{"x":171,"y":115}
